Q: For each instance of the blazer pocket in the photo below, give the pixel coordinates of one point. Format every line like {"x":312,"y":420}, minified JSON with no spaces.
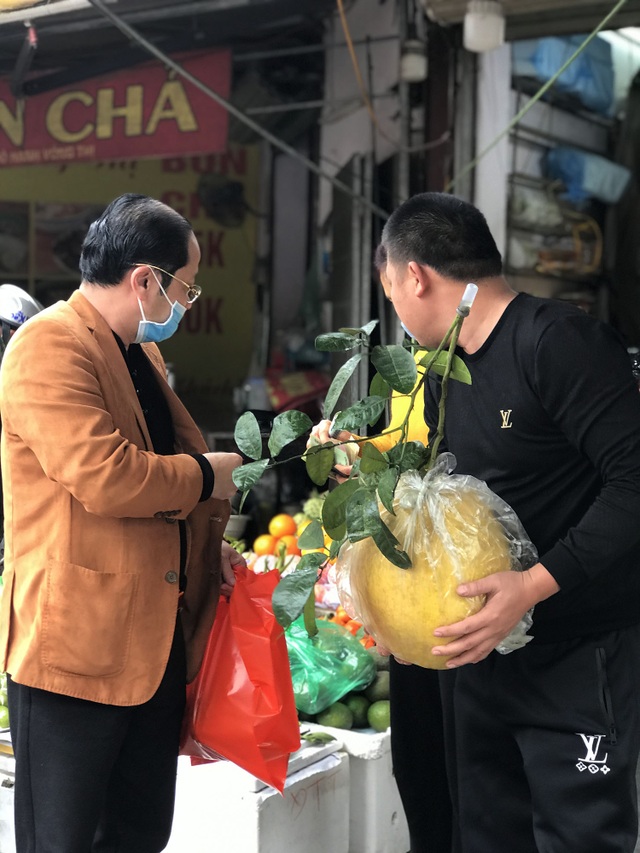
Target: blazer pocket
{"x":87,"y":619}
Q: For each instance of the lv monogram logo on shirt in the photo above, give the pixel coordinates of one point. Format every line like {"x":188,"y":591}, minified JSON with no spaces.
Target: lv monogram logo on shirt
{"x":505,"y":414}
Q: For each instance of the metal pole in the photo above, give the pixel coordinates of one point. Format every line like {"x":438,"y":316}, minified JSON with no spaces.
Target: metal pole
{"x":403,"y":183}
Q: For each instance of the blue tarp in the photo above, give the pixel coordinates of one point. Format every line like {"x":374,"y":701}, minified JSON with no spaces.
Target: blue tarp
{"x":586,"y":175}
{"x":589,"y":78}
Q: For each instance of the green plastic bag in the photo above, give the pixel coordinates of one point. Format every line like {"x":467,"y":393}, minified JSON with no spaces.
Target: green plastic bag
{"x":326,"y":667}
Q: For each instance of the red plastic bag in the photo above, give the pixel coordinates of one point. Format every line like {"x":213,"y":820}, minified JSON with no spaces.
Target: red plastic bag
{"x":241,"y":705}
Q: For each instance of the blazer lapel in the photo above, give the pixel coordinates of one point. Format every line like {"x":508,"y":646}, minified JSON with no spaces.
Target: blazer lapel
{"x":114,"y":361}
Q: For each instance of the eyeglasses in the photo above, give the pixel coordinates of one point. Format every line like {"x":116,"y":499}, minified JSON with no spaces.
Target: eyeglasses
{"x":193,"y":290}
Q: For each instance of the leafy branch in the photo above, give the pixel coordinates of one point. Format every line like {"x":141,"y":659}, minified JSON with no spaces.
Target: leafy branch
{"x":351,"y":510}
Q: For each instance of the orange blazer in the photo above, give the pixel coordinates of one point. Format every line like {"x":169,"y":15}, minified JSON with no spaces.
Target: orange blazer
{"x":92,"y":551}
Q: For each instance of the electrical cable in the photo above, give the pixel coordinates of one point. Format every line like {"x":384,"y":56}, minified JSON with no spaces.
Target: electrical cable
{"x":534,"y":99}
{"x":135,"y":36}
{"x":364,"y":94}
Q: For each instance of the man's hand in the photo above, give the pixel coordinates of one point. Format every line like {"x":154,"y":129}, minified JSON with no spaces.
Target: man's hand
{"x":231,"y":560}
{"x":509,"y":596}
{"x":386,"y":653}
{"x":223,"y":465}
{"x":321,"y":431}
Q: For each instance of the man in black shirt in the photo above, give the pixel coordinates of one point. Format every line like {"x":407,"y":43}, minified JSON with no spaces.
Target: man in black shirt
{"x":546,"y":738}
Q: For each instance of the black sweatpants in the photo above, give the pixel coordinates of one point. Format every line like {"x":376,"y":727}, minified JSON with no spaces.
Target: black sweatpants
{"x":94,"y":778}
{"x":417,"y":751}
{"x":547,"y":741}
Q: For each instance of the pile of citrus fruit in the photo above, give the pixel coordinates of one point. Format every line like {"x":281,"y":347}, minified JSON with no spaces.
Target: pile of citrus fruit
{"x":354,"y":626}
{"x":363,"y":709}
{"x":282,"y":536}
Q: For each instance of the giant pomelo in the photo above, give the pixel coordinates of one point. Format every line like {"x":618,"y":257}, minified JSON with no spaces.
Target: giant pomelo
{"x":452,"y":535}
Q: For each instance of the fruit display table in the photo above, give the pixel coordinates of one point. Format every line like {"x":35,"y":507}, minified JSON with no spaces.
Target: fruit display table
{"x":377,"y":823}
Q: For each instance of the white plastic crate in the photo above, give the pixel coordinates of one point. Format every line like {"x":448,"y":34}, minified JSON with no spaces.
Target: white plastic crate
{"x":220,"y":807}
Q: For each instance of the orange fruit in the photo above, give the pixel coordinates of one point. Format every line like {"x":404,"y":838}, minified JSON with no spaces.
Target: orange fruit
{"x":282,"y":525}
{"x":265,"y":544}
{"x":291,"y":543}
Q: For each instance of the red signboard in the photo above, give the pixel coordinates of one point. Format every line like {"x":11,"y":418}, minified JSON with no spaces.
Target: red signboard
{"x":145,"y":111}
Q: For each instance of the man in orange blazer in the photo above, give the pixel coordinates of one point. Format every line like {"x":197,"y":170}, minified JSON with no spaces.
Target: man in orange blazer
{"x":114,"y":515}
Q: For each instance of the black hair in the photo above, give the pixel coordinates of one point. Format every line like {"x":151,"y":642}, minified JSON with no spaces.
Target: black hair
{"x":134,"y":229}
{"x":380,"y":258}
{"x":445,"y":233}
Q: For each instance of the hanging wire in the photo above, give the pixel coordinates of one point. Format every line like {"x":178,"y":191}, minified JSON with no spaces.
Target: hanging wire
{"x":135,"y":36}
{"x":534,"y":99}
{"x":364,"y":94}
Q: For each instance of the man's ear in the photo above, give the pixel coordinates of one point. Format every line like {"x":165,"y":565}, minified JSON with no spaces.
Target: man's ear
{"x":139,"y":279}
{"x":421,"y":277}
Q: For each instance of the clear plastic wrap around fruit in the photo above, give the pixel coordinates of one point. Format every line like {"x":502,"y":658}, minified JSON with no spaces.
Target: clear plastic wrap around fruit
{"x":454,"y":529}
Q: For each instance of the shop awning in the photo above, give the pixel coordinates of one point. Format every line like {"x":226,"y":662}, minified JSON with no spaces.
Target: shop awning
{"x":536,"y":18}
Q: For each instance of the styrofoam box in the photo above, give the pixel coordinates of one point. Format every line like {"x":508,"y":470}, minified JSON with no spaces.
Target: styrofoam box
{"x":377,"y":822}
{"x":220,"y":807}
{"x":7,"y":837}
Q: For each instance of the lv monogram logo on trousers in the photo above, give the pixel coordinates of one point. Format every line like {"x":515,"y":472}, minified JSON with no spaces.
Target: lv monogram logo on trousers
{"x":505,"y":414}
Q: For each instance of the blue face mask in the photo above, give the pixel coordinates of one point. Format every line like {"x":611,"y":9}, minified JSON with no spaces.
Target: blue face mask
{"x":149,"y":331}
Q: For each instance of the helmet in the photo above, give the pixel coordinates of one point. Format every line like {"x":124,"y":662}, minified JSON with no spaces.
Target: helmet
{"x":16,"y":305}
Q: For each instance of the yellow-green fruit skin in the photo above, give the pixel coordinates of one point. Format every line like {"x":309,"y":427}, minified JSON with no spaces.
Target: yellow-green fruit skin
{"x":403,"y":607}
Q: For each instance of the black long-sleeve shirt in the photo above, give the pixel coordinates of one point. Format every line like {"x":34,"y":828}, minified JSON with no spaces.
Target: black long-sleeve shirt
{"x":160,"y":425}
{"x":551,"y":422}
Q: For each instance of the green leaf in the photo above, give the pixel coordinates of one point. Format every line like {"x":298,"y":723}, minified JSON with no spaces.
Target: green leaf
{"x":317,"y":737}
{"x":390,"y":547}
{"x":387,"y":487}
{"x":370,"y":326}
{"x":459,"y":369}
{"x":379,"y":387}
{"x":396,"y":365}
{"x":365,"y":411}
{"x":370,"y":481}
{"x":312,"y":536}
{"x":362,"y":515}
{"x":291,"y":593}
{"x":366,"y":330}
{"x":408,"y":456}
{"x":334,"y":548}
{"x":246,"y":476}
{"x":372,"y":460}
{"x":336,"y":388}
{"x":319,"y":462}
{"x":247,"y":436}
{"x":363,"y":520}
{"x":336,"y":342}
{"x":333,"y":508}
{"x":312,"y":560}
{"x":287,"y":426}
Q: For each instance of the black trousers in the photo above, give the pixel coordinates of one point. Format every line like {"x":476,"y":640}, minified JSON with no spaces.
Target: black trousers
{"x":418,"y":755}
{"x":94,"y":778}
{"x":547,"y":741}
